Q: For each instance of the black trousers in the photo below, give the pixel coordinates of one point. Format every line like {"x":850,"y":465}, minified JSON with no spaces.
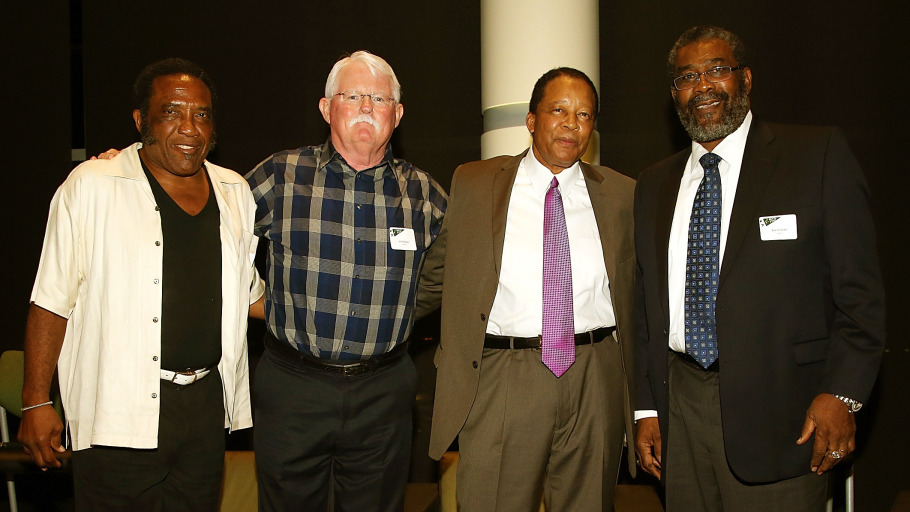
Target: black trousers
{"x":315,"y":432}
{"x":697,"y":474}
{"x":183,"y":474}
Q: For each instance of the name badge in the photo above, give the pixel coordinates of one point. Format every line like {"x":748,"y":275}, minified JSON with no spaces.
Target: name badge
{"x":777,"y":227}
{"x":402,"y":239}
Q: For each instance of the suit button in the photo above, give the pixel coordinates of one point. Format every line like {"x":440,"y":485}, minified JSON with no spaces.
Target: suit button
{"x":474,"y":364}
{"x":483,"y":316}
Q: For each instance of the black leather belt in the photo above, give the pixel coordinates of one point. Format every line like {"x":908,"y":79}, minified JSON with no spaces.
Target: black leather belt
{"x":585,"y":338}
{"x":689,"y":360}
{"x":285,"y":351}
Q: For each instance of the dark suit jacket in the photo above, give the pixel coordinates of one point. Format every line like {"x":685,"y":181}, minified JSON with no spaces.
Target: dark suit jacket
{"x":467,"y":256}
{"x":795,"y":318}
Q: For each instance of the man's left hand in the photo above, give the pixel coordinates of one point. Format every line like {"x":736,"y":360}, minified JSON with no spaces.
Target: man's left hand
{"x":107,"y":155}
{"x":835,"y":429}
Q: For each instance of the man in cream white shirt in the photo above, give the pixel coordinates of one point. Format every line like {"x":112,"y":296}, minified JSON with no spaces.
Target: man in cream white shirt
{"x":141,"y":301}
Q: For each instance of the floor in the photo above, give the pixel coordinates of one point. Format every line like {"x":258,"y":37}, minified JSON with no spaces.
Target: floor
{"x":52,"y":491}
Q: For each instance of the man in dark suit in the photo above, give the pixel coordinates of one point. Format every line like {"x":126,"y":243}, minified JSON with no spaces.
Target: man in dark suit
{"x":762,"y":306}
{"x":527,"y":425}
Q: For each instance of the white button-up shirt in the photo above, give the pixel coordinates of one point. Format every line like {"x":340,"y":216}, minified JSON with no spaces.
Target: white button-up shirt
{"x":518,"y":307}
{"x":731,"y":151}
{"x":101,"y":268}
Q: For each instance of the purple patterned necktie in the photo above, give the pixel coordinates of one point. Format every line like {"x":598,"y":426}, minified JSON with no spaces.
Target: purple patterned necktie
{"x":703,"y":265}
{"x":558,"y":333}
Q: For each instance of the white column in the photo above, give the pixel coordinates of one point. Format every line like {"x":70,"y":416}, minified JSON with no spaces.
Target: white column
{"x":520,"y":41}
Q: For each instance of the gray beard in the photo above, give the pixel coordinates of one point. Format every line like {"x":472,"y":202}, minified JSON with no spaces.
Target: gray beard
{"x":730,"y":119}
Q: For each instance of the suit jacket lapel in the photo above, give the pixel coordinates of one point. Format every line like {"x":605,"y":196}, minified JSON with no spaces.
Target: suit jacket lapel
{"x":666,"y":205}
{"x":604,"y":206}
{"x":501,"y":192}
{"x":757,"y":166}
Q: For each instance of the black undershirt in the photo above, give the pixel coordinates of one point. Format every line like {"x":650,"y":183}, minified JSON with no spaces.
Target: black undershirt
{"x":191,"y":282}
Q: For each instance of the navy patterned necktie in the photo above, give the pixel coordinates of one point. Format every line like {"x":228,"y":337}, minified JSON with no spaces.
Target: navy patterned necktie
{"x":703,"y":265}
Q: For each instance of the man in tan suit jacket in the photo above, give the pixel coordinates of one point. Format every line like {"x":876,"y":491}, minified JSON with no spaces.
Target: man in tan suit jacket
{"x":524,"y":431}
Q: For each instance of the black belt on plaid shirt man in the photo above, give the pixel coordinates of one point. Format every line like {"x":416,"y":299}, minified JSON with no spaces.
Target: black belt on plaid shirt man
{"x":347,"y":226}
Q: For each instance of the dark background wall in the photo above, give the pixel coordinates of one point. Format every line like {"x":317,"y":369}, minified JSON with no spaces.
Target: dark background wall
{"x":813,"y":62}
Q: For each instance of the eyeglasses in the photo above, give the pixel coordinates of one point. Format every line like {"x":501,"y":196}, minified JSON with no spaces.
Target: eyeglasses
{"x":713,"y":75}
{"x":355,"y":98}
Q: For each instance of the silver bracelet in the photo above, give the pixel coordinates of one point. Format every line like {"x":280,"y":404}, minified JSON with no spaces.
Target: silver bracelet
{"x":852,"y":405}
{"x":37,"y":406}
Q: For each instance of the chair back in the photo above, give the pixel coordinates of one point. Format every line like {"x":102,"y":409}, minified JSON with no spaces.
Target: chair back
{"x":12,"y":370}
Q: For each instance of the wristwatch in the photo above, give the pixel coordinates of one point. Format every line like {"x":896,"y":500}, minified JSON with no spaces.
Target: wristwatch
{"x":852,"y":405}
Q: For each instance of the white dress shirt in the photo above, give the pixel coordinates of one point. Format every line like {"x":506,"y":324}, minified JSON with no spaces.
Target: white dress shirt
{"x":101,"y":269}
{"x":730,"y":150}
{"x":517,"y":308}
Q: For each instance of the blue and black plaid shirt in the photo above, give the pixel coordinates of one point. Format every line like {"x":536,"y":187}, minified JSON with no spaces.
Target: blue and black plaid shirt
{"x":335,"y":287}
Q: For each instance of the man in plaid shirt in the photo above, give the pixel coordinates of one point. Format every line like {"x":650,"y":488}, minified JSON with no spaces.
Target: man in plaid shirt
{"x":347,"y":226}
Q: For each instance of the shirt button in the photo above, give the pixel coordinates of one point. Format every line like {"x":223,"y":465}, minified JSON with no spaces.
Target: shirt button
{"x":154,"y":395}
{"x":357,"y":276}
{"x":155,"y":281}
{"x":157,"y":242}
{"x":157,"y":208}
{"x":474,"y":364}
{"x":483,"y":316}
{"x":154,"y":358}
{"x":155,"y":319}
{"x":359,"y":206}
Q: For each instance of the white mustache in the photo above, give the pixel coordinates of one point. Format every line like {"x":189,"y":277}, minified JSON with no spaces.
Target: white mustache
{"x":363,"y":118}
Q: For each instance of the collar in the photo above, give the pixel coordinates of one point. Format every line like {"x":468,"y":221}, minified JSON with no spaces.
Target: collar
{"x":540,"y":177}
{"x":730,"y":149}
{"x":327,"y":154}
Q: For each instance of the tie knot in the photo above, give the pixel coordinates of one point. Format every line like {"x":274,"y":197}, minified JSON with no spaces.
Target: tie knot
{"x":709,"y":161}
{"x":555,"y":183}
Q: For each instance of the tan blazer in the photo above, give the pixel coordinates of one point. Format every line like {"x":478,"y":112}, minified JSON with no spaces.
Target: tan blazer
{"x":467,"y":256}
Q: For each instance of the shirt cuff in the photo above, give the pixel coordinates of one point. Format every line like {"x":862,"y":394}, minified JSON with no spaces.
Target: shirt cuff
{"x":647,"y":413}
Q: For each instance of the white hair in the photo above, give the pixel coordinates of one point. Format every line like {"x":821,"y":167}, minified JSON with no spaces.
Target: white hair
{"x":377,"y":66}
